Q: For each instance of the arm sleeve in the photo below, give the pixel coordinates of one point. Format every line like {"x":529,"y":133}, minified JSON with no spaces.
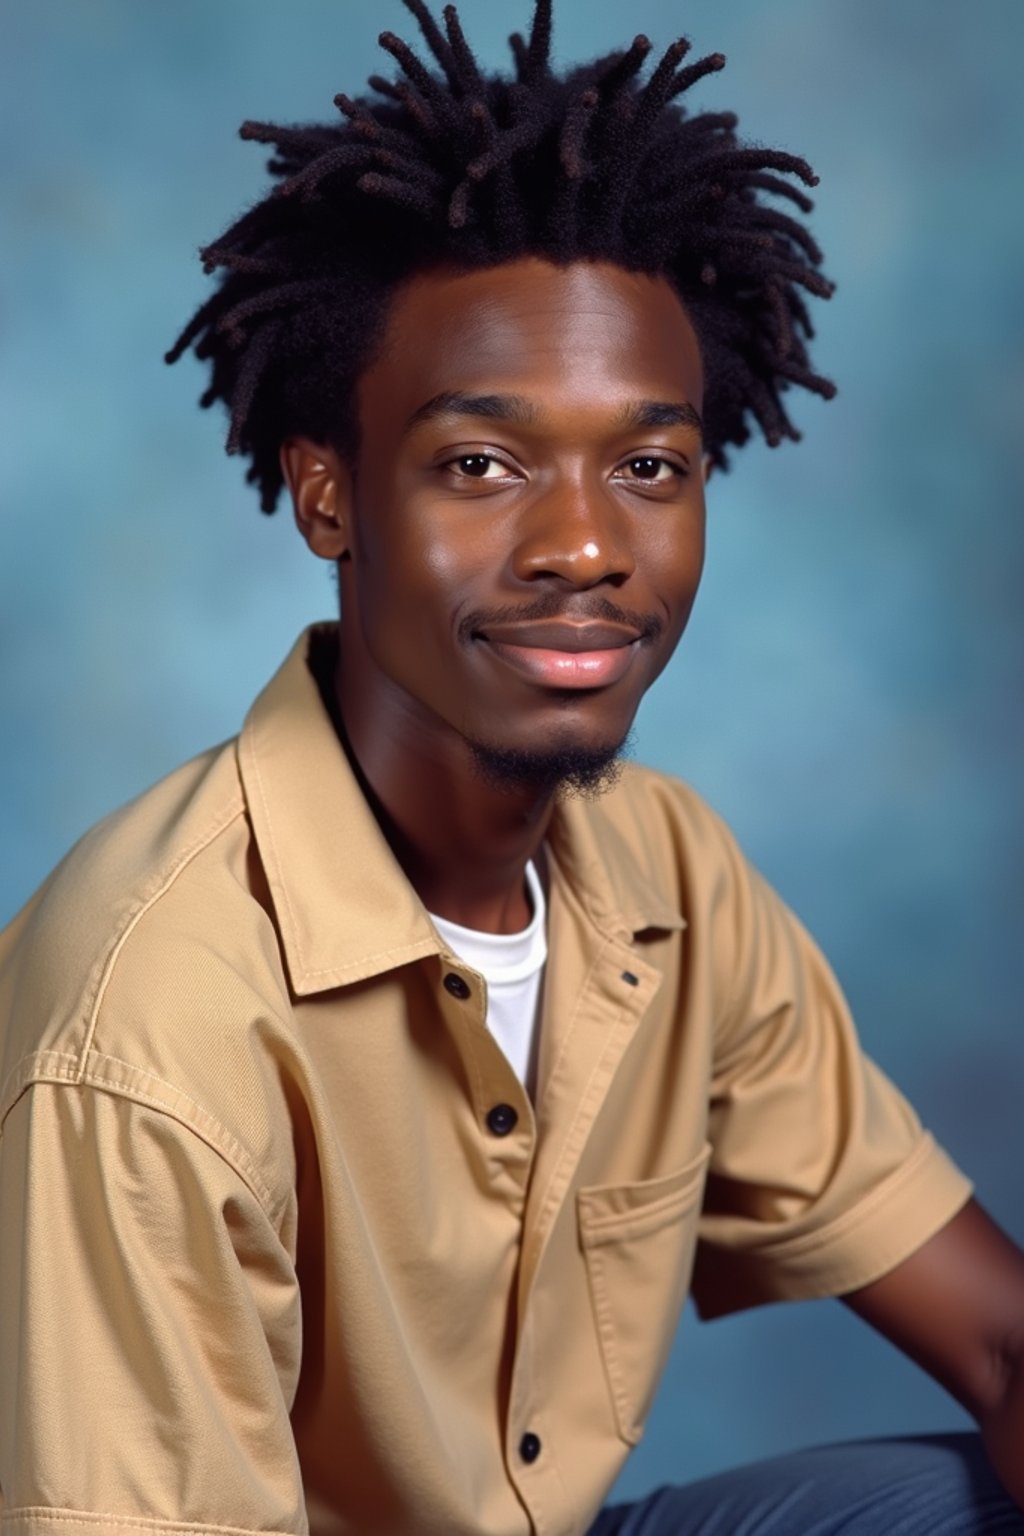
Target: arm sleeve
{"x":821,"y":1177}
{"x":149,"y":1327}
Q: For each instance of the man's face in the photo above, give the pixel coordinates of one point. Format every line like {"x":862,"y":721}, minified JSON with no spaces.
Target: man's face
{"x":525,"y":530}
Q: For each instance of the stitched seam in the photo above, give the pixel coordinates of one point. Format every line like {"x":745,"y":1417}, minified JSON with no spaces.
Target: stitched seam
{"x":537,"y":1415}
{"x":396,"y":953}
{"x":184,"y":859}
{"x":476,"y":1072}
{"x":635,"y":1223}
{"x":549,"y":1204}
{"x":808,"y":1242}
{"x":253,"y":758}
{"x":39,"y":1067}
{"x":609,"y":1350}
{"x":204,"y":1125}
{"x":542,"y":1208}
{"x":405,"y":951}
{"x":574,"y":1018}
{"x":537,"y":1500}
{"x":147,"y":1522}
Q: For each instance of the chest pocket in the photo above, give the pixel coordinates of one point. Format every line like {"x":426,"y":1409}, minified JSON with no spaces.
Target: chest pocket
{"x":638,"y":1241}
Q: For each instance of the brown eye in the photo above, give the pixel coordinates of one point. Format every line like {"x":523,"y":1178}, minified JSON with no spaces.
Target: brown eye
{"x":651,"y":469}
{"x":475,"y":464}
{"x":648,"y":468}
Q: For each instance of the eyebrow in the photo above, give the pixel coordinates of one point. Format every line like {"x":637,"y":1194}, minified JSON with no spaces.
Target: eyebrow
{"x":521,"y":412}
{"x":455,"y":402}
{"x":660,"y":413}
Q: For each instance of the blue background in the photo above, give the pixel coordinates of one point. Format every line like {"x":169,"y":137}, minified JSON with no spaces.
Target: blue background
{"x":849,"y":692}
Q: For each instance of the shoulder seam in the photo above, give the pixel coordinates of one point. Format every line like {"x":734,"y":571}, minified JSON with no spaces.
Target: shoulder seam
{"x":109,"y":1074}
{"x":47,"y":1066}
{"x":185,"y":857}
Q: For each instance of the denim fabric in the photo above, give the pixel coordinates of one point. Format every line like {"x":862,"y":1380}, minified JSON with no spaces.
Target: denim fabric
{"x":938,"y":1485}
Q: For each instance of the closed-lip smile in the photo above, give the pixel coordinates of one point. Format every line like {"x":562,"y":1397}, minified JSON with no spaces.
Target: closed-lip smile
{"x":562,"y":635}
{"x":557,"y":653}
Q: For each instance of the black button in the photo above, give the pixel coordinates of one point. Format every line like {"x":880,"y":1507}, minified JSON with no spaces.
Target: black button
{"x":501,"y":1119}
{"x":529,"y":1446}
{"x":634,"y":981}
{"x":454,"y":984}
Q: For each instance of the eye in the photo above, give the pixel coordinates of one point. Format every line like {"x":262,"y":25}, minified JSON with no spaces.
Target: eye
{"x":478,"y":466}
{"x":652,"y":469}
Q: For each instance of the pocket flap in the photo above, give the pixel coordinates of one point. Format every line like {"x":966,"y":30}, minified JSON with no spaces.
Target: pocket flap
{"x":610,"y":1213}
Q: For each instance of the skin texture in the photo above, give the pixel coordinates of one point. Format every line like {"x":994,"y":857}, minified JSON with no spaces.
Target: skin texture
{"x":460,"y":527}
{"x":561,"y":528}
{"x":956,"y":1306}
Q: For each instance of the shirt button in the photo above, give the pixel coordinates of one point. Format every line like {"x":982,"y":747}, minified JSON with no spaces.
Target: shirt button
{"x":529,"y":1446}
{"x":501,"y":1119}
{"x":454,"y":984}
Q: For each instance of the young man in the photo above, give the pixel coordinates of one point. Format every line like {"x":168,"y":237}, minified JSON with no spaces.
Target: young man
{"x":376,"y":1088}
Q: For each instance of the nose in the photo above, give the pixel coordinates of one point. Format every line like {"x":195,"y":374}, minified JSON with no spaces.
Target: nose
{"x":578,"y":535}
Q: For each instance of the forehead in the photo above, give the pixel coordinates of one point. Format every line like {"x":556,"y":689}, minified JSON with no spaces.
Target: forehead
{"x":585,"y":334}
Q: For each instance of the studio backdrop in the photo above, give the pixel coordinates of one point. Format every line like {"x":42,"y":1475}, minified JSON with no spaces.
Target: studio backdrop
{"x":849,"y":691}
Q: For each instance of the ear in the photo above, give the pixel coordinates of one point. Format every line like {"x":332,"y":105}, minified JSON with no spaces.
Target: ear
{"x":320,"y":483}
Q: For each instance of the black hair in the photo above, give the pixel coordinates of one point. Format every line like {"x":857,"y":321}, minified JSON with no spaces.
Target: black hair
{"x":447,"y":165}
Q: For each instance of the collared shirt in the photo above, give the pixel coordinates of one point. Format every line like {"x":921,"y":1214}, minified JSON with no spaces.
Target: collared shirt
{"x":512,"y":967}
{"x":285,"y":1244}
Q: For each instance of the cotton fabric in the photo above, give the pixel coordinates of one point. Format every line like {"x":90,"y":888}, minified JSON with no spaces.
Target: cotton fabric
{"x":265,"y":1265}
{"x":512,"y":967}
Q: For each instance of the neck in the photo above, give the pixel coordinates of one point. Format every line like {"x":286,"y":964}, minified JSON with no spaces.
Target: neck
{"x":463,"y":844}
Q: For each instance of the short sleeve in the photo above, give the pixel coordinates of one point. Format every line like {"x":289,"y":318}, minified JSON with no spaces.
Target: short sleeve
{"x":149,"y":1327}
{"x":821,"y":1178}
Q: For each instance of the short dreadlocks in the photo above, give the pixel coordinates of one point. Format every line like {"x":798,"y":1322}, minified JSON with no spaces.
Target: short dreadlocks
{"x":449,"y":166}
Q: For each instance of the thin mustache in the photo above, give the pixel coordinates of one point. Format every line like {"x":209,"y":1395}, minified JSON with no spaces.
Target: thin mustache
{"x":647,"y":625}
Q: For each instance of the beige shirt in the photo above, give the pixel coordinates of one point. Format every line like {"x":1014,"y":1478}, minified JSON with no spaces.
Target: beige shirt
{"x":265,"y":1263}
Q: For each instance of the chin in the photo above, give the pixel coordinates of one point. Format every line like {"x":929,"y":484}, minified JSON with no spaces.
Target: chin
{"x":568,"y":766}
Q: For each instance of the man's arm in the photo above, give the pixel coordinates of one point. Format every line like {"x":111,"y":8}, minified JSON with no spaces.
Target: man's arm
{"x":956,"y":1307}
{"x":149,"y":1327}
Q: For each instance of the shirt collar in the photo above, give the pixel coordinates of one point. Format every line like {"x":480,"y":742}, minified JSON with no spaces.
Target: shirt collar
{"x":607,"y":868}
{"x":344,"y":907}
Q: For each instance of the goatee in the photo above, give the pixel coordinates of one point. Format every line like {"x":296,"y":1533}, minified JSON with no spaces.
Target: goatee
{"x":583,"y":772}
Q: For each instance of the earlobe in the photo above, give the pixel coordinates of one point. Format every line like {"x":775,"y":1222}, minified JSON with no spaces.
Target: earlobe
{"x":320,"y":483}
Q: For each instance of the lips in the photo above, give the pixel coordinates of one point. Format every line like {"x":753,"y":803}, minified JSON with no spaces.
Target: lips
{"x":561,"y":635}
{"x":557,"y":654}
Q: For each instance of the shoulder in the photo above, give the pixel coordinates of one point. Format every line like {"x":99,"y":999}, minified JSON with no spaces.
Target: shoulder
{"x":668,"y":851}
{"x":664,"y":826}
{"x":141,"y":965}
{"x":56,"y":949}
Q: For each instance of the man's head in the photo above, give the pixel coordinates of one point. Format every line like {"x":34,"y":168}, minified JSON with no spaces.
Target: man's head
{"x":522,"y":544}
{"x":493,"y":332}
{"x":452,"y":166}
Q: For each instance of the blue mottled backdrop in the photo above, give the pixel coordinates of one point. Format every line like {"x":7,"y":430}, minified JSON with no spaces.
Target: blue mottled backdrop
{"x":849,"y":693}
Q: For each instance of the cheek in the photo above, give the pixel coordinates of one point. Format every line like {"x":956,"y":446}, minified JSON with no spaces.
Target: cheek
{"x":435,"y":547}
{"x":672,"y":553}
{"x":413,"y":574}
{"x":447,"y":558}
{"x":697,"y":551}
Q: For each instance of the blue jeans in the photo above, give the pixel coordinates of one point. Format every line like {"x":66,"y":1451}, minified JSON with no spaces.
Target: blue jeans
{"x":937,"y":1485}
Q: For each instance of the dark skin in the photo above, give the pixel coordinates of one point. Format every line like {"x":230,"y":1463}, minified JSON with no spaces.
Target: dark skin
{"x":519,"y":548}
{"x":440,"y":566}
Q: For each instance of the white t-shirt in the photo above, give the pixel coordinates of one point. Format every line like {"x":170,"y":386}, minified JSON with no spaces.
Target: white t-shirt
{"x":512,"y":965}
